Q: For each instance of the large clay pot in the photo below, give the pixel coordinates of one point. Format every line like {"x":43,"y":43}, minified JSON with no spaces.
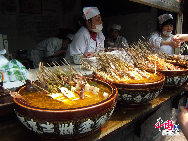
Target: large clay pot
{"x":135,"y":95}
{"x":67,"y":123}
{"x":175,"y":78}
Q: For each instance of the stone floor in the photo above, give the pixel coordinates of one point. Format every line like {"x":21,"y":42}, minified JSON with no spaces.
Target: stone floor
{"x":171,"y":138}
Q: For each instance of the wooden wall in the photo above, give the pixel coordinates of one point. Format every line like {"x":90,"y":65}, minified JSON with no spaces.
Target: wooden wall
{"x":185,"y":17}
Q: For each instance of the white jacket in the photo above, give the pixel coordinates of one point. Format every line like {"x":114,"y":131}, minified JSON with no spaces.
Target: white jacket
{"x":44,"y":49}
{"x":83,"y":43}
{"x":156,"y":40}
{"x":119,"y":43}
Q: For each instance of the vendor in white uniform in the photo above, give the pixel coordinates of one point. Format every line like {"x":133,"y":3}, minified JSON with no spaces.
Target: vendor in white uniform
{"x":115,"y":39}
{"x":89,"y":38}
{"x":163,"y":40}
{"x":49,"y":50}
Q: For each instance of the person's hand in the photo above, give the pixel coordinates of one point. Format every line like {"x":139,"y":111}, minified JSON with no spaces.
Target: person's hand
{"x":89,"y":54}
{"x":181,"y":37}
{"x":182,"y":120}
{"x":175,"y":44}
{"x":186,"y":87}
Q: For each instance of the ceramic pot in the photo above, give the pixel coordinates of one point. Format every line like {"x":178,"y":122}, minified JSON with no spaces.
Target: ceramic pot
{"x":92,"y":61}
{"x":67,"y":123}
{"x":77,"y":59}
{"x":175,"y":78}
{"x":137,"y":94}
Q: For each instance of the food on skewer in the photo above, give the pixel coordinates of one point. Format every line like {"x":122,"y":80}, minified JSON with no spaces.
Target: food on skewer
{"x":146,"y":57}
{"x":116,"y":70}
{"x":161,"y":64}
{"x":63,"y":89}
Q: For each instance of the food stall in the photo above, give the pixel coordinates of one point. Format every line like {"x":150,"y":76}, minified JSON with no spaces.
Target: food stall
{"x":130,"y":123}
{"x":135,"y":123}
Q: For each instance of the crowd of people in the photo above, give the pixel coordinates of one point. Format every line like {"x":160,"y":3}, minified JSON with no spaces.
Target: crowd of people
{"x":89,"y":39}
{"x":86,"y":41}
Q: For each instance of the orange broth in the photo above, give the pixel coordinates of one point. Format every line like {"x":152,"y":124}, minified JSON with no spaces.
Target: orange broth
{"x":42,"y":100}
{"x":152,"y":78}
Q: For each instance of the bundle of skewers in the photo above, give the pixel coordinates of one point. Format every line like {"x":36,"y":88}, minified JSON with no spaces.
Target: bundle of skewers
{"x":116,"y":68}
{"x":136,"y":62}
{"x":146,"y":57}
{"x":60,"y":81}
{"x":136,"y":86}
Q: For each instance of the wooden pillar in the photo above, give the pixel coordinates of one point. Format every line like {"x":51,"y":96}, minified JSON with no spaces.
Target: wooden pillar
{"x":179,"y":26}
{"x":185,"y":17}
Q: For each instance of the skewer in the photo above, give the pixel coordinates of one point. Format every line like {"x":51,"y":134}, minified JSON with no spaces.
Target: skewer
{"x":155,"y":64}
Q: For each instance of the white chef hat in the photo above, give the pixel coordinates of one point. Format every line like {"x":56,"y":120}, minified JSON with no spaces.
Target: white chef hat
{"x":116,"y":26}
{"x":163,"y":18}
{"x":90,"y":12}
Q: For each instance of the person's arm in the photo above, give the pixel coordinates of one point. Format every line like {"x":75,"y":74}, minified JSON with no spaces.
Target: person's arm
{"x":57,"y":53}
{"x":182,"y":120}
{"x":124,"y":42}
{"x":155,"y":41}
{"x":171,"y":43}
{"x":53,"y":47}
{"x":180,"y":37}
{"x":89,"y":54}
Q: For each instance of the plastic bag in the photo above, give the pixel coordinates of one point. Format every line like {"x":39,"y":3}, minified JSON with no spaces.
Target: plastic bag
{"x":14,"y":72}
{"x":3,"y":60}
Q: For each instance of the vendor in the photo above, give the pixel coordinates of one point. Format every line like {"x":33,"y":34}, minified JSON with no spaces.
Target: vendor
{"x":50,"y":49}
{"x":89,"y":38}
{"x":163,"y":39}
{"x":115,"y":39}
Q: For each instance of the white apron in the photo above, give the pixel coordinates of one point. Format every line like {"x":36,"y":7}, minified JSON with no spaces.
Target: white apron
{"x":83,"y":43}
{"x":156,"y":40}
{"x":45,"y":49}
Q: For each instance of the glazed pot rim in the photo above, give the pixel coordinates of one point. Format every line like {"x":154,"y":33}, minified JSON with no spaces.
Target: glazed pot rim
{"x":185,"y":70}
{"x":162,"y":79}
{"x":113,"y":96}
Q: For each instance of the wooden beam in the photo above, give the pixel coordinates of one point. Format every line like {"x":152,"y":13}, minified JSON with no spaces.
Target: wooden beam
{"x":168,"y":5}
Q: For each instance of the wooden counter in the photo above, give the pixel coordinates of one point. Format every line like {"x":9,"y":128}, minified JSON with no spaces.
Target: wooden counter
{"x":122,"y":120}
